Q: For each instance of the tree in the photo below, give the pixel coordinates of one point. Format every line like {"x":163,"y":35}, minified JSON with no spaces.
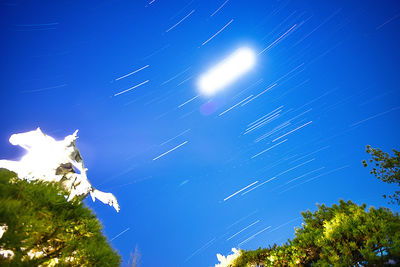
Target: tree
{"x":341,"y":235}
{"x":385,"y":168}
{"x":45,"y":229}
{"x":134,"y":258}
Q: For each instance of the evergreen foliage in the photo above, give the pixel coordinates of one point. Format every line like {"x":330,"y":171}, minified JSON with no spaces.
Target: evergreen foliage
{"x":385,"y":168}
{"x":341,"y":235}
{"x":40,"y":220}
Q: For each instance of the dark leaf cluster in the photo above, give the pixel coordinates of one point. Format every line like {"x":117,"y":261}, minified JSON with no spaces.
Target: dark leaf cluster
{"x":386,"y":168}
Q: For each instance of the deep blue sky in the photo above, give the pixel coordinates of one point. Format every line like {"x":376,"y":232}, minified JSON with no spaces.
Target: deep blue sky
{"x":338,"y":67}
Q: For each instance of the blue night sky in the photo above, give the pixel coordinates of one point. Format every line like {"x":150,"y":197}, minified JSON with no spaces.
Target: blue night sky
{"x":334,"y":71}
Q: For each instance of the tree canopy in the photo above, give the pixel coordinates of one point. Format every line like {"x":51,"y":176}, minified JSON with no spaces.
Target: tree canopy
{"x":45,"y":229}
{"x":385,"y":168}
{"x":342,"y":235}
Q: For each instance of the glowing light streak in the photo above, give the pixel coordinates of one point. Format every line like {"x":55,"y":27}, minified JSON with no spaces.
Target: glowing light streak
{"x":243,"y":218}
{"x":243,"y":230}
{"x":325,"y":147}
{"x":295,"y":167}
{"x":227,"y":71}
{"x":375,"y":116}
{"x":292,"y":131}
{"x":299,"y":177}
{"x":133,"y":72}
{"x":120,"y":234}
{"x":225,"y":199}
{"x":315,"y":177}
{"x":264,"y":116}
{"x":262,"y":152}
{"x":257,"y":186}
{"x":200,"y":249}
{"x":176,"y":76}
{"x":181,"y":105}
{"x":170,"y":150}
{"x":191,"y":12}
{"x":175,"y":137}
{"x":274,"y":116}
{"x":235,"y":105}
{"x":263,"y":92}
{"x":133,"y":87}
{"x":217,"y":32}
{"x":278,"y":128}
{"x":218,"y":9}
{"x":251,"y":237}
{"x":277,"y":40}
{"x":263,"y":121}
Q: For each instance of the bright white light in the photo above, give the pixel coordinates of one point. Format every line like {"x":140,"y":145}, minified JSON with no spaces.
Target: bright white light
{"x":225,"y":261}
{"x":227,"y":72}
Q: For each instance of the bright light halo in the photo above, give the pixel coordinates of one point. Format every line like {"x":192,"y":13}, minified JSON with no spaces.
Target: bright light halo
{"x":227,"y":71}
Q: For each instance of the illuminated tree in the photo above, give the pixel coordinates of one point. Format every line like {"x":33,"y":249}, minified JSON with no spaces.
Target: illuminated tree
{"x":341,"y":235}
{"x":45,"y":229}
{"x":385,"y":168}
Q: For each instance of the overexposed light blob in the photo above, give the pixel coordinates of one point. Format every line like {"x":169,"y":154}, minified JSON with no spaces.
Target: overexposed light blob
{"x":55,"y":161}
{"x":3,"y":229}
{"x":227,"y":71}
{"x":226,"y":261}
{"x":5,"y":253}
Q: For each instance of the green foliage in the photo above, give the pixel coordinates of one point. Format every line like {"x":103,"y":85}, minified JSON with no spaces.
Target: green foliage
{"x":41,"y":220}
{"x":341,"y":235}
{"x":385,"y":168}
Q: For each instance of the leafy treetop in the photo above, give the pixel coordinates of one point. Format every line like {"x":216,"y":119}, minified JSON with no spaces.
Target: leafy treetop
{"x":341,"y":235}
{"x":45,"y":229}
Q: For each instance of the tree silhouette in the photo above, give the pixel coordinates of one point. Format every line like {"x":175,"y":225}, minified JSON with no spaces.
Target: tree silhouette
{"x":386,"y":169}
